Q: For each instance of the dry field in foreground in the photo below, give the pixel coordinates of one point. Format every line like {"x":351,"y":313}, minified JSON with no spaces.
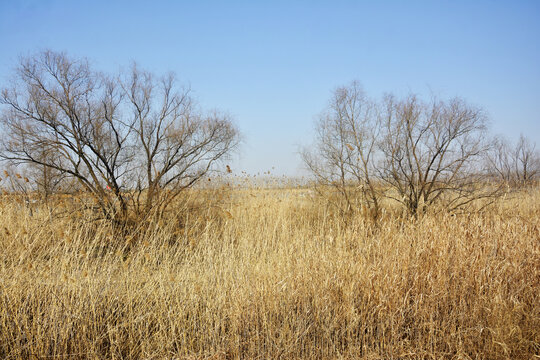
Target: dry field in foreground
{"x":272,"y":274}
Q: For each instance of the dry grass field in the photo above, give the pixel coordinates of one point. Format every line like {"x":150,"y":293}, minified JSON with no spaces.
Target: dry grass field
{"x":267,"y":274}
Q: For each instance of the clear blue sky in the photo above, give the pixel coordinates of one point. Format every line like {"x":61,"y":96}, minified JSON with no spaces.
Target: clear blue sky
{"x":273,"y":65}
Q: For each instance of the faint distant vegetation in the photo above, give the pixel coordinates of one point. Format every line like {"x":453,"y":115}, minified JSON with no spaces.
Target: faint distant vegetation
{"x":516,"y":164}
{"x":422,"y":154}
{"x":133,"y":141}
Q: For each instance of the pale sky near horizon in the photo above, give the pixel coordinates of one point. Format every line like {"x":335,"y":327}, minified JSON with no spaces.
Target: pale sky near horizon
{"x":273,"y":64}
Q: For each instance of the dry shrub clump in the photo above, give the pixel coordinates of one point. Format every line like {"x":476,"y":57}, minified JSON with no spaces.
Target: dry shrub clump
{"x":272,"y":274}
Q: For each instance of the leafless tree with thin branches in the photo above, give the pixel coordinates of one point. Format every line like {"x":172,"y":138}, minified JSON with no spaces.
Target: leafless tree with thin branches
{"x":414,"y":152}
{"x":134,"y":142}
{"x":515,"y":164}
{"x":345,"y":151}
{"x":432,"y":153}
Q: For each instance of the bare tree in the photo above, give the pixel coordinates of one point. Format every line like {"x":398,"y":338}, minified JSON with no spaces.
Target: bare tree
{"x":499,"y":160}
{"x":345,"y":152}
{"x":416,"y":153}
{"x":517,"y":164}
{"x":103,"y":131}
{"x":177,"y":144}
{"x":527,"y":168}
{"x":432,"y":153}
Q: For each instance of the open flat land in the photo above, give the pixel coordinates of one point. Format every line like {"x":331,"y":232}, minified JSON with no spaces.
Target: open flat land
{"x":265,"y":274}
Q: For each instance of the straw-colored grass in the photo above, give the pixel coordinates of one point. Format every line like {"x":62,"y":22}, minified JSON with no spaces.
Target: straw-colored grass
{"x":272,"y":274}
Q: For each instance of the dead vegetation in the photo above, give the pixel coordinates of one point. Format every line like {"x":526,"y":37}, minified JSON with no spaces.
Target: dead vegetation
{"x":419,"y":237}
{"x":272,"y":274}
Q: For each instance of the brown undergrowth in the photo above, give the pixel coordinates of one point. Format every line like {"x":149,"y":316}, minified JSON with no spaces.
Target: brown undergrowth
{"x":272,"y":274}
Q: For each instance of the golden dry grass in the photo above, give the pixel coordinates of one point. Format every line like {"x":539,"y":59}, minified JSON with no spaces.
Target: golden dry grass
{"x":272,"y":274}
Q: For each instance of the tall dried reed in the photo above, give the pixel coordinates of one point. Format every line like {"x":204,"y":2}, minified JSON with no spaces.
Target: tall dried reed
{"x":272,"y":274}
